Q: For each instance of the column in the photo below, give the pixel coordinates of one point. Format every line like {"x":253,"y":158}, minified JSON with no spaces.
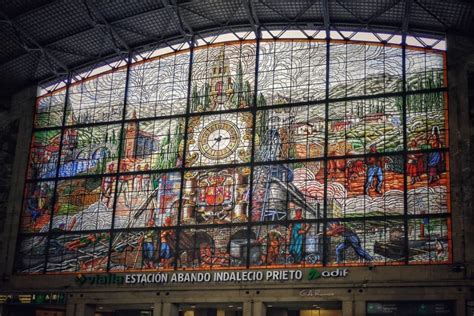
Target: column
{"x":22,"y":106}
{"x":157,"y":306}
{"x":359,"y":308}
{"x":247,"y":309}
{"x":259,"y":309}
{"x":169,"y":309}
{"x":80,"y":309}
{"x":347,"y":309}
{"x":460,"y":57}
{"x":461,"y":307}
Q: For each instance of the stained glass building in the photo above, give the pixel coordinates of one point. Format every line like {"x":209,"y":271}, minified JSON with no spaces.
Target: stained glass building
{"x":267,"y":171}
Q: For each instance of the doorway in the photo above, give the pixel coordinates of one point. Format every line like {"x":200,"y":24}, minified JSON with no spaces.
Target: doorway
{"x":219,"y":309}
{"x":305,"y":309}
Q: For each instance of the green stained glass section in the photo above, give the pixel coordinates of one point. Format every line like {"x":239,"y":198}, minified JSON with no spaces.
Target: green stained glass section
{"x":49,"y":110}
{"x":223,"y":77}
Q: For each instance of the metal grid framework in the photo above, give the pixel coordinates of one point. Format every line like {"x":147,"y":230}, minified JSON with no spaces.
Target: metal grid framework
{"x":44,"y":39}
{"x":335,"y":229}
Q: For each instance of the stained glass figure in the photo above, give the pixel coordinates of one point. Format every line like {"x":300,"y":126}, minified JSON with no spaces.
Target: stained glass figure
{"x":44,"y":154}
{"x":37,"y":207}
{"x":429,"y":240}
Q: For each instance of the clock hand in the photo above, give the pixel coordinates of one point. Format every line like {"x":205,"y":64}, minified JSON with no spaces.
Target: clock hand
{"x":216,"y":141}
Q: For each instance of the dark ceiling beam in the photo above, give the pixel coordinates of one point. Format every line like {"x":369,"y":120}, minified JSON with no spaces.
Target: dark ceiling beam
{"x":37,"y":9}
{"x":182,"y":22}
{"x":251,"y":14}
{"x":446,"y":26}
{"x":326,"y":21}
{"x":173,"y":12}
{"x":290,"y":22}
{"x":218,"y":23}
{"x":71,"y":52}
{"x":382,"y":11}
{"x":58,"y":42}
{"x":312,"y":2}
{"x":29,"y":44}
{"x":98,"y":21}
{"x":406,"y":20}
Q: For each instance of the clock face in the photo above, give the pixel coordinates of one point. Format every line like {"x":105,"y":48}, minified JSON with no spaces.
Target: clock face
{"x":219,"y":139}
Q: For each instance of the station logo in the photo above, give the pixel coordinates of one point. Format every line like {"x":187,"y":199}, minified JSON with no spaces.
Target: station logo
{"x":82,"y":279}
{"x":315,"y":274}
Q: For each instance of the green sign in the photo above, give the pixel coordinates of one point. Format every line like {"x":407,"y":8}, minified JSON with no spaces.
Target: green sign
{"x":34,"y":298}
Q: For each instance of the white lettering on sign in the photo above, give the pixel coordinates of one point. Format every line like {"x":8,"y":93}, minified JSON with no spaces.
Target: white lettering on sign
{"x":335,"y":273}
{"x":230,"y":276}
{"x":311,"y":292}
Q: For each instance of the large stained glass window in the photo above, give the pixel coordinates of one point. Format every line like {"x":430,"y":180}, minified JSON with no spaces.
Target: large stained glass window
{"x":271,"y":152}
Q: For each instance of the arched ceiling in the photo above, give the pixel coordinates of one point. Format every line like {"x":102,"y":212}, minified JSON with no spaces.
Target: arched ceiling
{"x":43,"y":38}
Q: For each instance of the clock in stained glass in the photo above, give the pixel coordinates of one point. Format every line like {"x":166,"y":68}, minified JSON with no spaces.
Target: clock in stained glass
{"x":219,"y":139}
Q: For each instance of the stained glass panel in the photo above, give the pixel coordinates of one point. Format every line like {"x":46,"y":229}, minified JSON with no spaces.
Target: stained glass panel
{"x":223,"y":77}
{"x":428,"y":183}
{"x":290,"y":133}
{"x":37,"y":207}
{"x":158,"y":87}
{"x":84,"y":204}
{"x":212,"y":248}
{"x":424,"y":69}
{"x":143,"y":250}
{"x":429,"y":240}
{"x":355,"y":127}
{"x":78,"y":252}
{"x":288,"y":191}
{"x":364,"y":69}
{"x":30,"y":255}
{"x":427,"y":125}
{"x":97,"y":99}
{"x":291,"y":72}
{"x":366,"y":242}
{"x":90,"y":150}
{"x":147,"y":200}
{"x":189,"y":173}
{"x":299,"y":243}
{"x":152,"y":145}
{"x":49,"y":110}
{"x":216,"y":196}
{"x":365,"y":187}
{"x":219,"y":139}
{"x":44,"y":153}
